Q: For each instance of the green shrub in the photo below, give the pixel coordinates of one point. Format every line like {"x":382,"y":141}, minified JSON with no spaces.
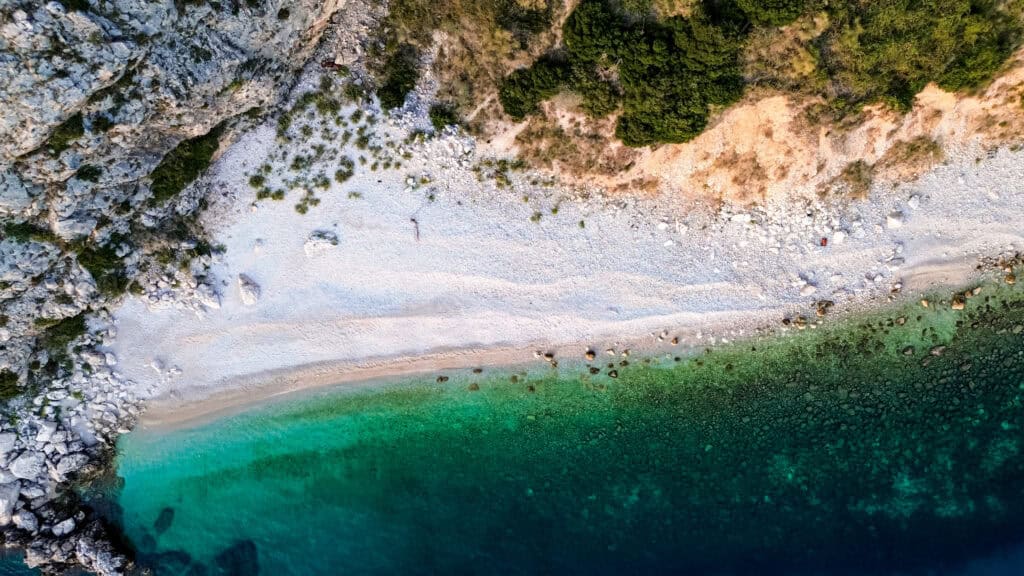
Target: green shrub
{"x":89,"y":173}
{"x":57,"y":337}
{"x":772,"y":12}
{"x":106,"y":269}
{"x":181,"y":166}
{"x":25,"y":232}
{"x":72,"y":129}
{"x":442,"y":115}
{"x":883,"y":51}
{"x":669,"y":73}
{"x":76,"y":5}
{"x":401,"y":71}
{"x":8,"y":385}
{"x":346,"y":170}
{"x":522,"y":91}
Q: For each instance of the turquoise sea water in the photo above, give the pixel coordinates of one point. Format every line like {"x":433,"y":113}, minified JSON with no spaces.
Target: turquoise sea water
{"x":886,"y":445}
{"x":12,"y":564}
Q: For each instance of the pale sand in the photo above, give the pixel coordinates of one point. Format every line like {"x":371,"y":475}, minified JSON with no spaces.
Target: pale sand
{"x":485,"y":285}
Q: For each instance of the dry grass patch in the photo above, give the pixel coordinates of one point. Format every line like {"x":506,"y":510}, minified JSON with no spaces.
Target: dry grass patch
{"x":908,"y":159}
{"x":855,"y":180}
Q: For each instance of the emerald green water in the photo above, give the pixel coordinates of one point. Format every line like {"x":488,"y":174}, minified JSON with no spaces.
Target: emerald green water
{"x":835,"y":451}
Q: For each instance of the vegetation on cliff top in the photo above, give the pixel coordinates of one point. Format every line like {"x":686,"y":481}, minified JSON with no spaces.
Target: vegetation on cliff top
{"x":665,"y":75}
{"x":487,"y":35}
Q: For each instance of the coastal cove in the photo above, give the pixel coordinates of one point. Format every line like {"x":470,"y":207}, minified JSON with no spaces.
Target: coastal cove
{"x":888,"y":442}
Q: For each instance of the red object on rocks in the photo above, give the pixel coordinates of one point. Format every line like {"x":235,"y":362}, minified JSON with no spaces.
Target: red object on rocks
{"x":824,"y":242}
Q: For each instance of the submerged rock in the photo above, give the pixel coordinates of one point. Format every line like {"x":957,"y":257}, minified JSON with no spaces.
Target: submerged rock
{"x":241,"y":559}
{"x":164,"y":520}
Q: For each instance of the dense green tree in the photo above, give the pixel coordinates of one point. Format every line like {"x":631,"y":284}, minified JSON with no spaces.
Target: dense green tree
{"x":524,"y":89}
{"x":772,"y":12}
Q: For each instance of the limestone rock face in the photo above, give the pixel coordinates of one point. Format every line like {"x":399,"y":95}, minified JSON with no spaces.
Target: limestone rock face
{"x":95,"y":94}
{"x":95,"y":97}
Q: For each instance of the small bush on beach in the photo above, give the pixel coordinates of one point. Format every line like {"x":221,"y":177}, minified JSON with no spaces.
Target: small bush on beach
{"x":442,"y":115}
{"x":345,"y":171}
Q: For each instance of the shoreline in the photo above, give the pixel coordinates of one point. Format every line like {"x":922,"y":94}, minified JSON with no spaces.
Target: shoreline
{"x":189,"y":408}
{"x":194,"y":407}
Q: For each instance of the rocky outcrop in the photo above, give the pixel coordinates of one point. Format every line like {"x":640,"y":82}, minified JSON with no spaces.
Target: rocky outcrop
{"x":95,"y":95}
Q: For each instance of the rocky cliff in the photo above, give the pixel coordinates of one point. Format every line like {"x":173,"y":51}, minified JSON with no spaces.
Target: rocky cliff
{"x":110,"y":108}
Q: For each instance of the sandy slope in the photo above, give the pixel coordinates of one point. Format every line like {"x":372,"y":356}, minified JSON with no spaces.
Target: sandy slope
{"x":484,"y":284}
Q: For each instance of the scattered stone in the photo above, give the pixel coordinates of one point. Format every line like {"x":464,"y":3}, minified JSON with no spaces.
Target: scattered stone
{"x":958,"y":302}
{"x":1011,"y":279}
{"x":808,"y":289}
{"x":937,"y":350}
{"x":613,"y":373}
{"x":473,"y":387}
{"x":249,"y":290}
{"x":590,"y":355}
{"x":320,"y":241}
{"x":894,"y":220}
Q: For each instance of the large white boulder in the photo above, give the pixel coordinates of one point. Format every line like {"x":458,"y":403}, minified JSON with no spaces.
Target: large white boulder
{"x":26,"y":521}
{"x":64,"y":527}
{"x":8,"y":499}
{"x":28,"y":465}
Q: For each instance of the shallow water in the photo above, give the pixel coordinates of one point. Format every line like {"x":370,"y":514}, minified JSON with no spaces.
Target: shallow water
{"x":839,"y":451}
{"x":12,"y":564}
